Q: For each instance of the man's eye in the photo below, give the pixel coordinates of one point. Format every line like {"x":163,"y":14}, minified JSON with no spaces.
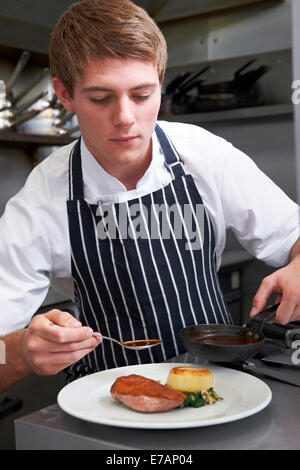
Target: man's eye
{"x":142,"y":97}
{"x":100,"y":100}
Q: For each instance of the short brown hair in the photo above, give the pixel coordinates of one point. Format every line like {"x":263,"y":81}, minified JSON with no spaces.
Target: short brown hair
{"x":97,"y":29}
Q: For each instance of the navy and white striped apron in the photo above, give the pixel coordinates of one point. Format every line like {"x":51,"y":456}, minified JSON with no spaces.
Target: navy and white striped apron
{"x":143,"y":276}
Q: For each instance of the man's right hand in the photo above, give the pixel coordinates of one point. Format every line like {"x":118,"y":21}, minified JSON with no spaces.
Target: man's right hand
{"x":47,"y":349}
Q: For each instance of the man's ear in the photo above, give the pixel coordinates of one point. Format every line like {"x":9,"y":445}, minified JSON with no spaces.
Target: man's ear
{"x":63,"y":95}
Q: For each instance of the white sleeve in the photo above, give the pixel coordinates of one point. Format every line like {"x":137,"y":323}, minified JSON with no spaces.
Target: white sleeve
{"x":264,"y":219}
{"x":25,"y":264}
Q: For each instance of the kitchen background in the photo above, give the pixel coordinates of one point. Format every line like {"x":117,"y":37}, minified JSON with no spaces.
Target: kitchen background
{"x":246,"y":49}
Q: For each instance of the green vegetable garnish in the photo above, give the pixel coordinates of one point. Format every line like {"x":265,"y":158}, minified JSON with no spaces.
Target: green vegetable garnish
{"x":193,"y":399}
{"x":196,"y":400}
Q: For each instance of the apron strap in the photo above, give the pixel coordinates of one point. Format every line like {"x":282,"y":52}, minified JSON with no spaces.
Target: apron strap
{"x":173,"y":161}
{"x":75,"y":173}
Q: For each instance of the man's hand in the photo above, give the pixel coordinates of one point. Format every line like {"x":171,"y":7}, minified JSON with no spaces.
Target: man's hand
{"x":286,"y":283}
{"x":47,"y":350}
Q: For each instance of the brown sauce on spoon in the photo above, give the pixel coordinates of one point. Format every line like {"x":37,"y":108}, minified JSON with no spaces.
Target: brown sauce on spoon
{"x":141,"y":342}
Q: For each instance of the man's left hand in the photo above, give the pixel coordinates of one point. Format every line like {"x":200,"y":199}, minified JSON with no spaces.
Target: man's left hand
{"x":286,"y":283}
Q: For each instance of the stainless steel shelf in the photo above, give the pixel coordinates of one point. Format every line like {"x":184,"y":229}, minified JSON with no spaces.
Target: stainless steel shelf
{"x":35,"y":139}
{"x":241,"y":113}
{"x":178,"y":10}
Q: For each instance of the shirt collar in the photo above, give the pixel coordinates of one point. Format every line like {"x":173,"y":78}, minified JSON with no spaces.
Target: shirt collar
{"x":98,"y":184}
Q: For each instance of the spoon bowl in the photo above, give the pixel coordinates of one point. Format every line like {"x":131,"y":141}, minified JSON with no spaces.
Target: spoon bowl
{"x":134,"y":344}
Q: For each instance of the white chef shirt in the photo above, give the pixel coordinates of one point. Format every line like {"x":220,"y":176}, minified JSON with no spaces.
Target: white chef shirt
{"x":34,"y":235}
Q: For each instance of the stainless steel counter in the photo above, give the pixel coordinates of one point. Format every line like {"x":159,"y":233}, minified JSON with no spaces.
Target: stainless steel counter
{"x":275,"y":427}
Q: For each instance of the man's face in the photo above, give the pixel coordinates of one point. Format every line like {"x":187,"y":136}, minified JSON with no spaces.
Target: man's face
{"x":116,"y":103}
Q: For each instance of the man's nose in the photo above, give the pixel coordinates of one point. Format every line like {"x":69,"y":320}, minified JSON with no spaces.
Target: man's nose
{"x":123,"y":113}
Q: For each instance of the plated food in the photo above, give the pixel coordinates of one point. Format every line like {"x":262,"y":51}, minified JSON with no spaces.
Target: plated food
{"x":190,"y":379}
{"x":89,"y":398}
{"x":186,"y":386}
{"x":145,"y":395}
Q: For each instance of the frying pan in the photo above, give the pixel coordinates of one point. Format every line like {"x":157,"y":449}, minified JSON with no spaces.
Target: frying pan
{"x":219,"y":352}
{"x":224,"y":352}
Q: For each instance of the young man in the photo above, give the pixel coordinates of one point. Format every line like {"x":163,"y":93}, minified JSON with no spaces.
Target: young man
{"x":130,"y":221}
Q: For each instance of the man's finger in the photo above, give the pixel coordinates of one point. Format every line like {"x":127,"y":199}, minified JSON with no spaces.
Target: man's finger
{"x":62,"y":318}
{"x":285,"y":310}
{"x":266,"y":288}
{"x":38,"y":345}
{"x":49,"y":364}
{"x":41,"y":326}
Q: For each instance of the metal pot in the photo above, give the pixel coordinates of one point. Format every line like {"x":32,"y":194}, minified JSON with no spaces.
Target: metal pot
{"x":41,"y":123}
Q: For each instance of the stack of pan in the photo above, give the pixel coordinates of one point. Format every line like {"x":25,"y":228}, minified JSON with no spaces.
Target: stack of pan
{"x":187,"y":94}
{"x":42,"y":113}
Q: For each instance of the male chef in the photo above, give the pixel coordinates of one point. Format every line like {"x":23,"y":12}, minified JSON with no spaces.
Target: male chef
{"x":74,"y":224}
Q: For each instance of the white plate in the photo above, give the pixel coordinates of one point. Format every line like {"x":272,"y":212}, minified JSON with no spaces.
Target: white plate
{"x":89,"y":399}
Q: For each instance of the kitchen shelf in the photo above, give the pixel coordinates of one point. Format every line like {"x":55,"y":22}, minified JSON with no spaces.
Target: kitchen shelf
{"x":9,"y":137}
{"x":262,"y":28}
{"x":241,"y":113}
{"x":178,"y":10}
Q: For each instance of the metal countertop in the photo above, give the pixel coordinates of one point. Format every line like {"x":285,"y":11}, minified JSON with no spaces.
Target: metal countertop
{"x":275,"y":427}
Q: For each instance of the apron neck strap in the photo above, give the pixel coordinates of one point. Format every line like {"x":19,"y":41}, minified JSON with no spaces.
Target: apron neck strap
{"x":173,"y":161}
{"x":75,"y":173}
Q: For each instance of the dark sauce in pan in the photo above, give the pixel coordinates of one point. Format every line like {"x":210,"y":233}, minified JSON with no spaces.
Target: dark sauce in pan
{"x":228,"y":340}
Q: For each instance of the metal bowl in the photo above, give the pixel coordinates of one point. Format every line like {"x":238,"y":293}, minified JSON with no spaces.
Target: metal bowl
{"x":219,"y":352}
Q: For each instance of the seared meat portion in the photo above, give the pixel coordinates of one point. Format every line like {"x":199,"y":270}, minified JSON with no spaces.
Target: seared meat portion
{"x":145,"y":395}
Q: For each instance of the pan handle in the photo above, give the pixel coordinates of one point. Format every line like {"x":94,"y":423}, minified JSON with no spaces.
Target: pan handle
{"x":26,"y":117}
{"x":25,"y":106}
{"x":65,"y":119}
{"x":238,"y":72}
{"x":18,"y":69}
{"x":27,"y":89}
{"x":266,"y":314}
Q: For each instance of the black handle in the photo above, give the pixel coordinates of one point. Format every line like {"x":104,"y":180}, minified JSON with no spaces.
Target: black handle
{"x":268,"y":313}
{"x":9,"y":406}
{"x":171,"y":87}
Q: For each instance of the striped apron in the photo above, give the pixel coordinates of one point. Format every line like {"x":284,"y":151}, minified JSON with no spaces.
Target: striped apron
{"x":144,"y":268}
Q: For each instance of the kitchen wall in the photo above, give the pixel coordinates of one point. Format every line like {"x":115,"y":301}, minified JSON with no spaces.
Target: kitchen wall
{"x":270,"y":144}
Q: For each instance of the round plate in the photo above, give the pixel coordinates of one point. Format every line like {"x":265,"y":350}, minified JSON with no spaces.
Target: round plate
{"x":89,"y":399}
